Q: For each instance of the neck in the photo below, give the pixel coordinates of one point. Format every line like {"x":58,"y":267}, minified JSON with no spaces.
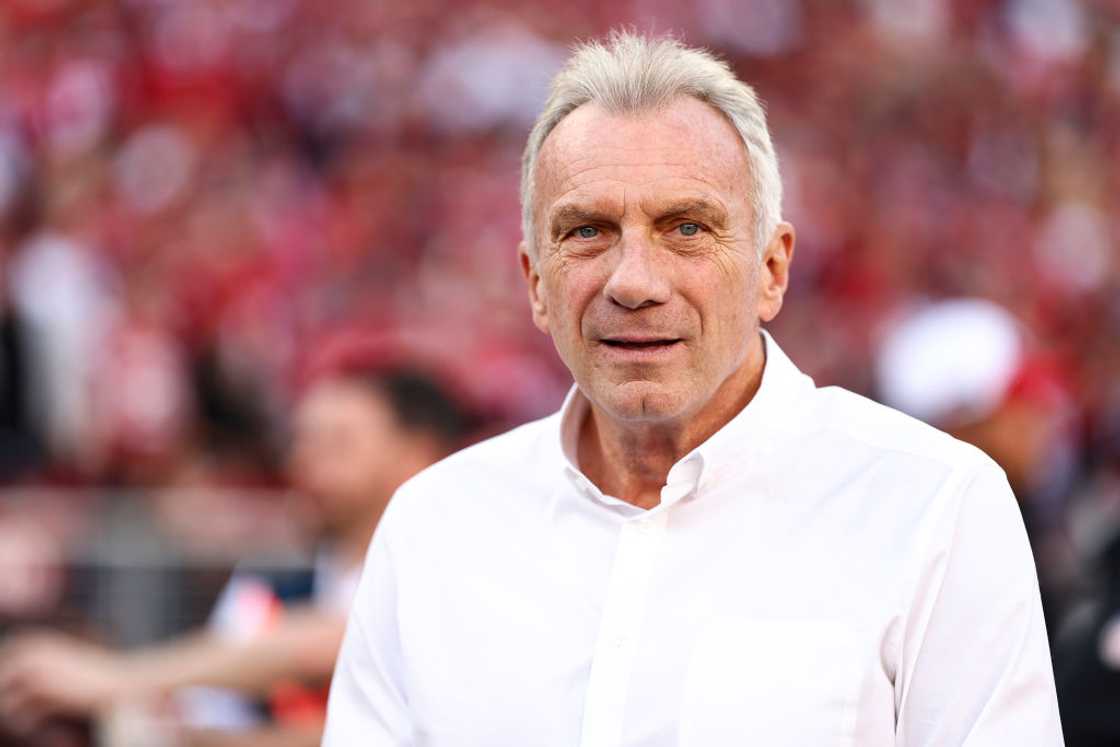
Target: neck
{"x":350,"y":542}
{"x":631,"y":461}
{"x":352,"y":539}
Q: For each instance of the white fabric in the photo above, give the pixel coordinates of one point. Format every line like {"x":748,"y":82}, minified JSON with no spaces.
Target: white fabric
{"x":823,"y":571}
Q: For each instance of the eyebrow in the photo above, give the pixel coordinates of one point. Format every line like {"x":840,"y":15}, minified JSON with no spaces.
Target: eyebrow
{"x":569,"y":215}
{"x":708,"y":211}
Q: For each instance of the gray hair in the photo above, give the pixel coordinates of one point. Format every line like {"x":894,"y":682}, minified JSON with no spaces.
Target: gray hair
{"x":632,"y":73}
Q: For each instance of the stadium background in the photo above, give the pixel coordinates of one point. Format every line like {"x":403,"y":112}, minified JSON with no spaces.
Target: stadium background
{"x":201,"y":201}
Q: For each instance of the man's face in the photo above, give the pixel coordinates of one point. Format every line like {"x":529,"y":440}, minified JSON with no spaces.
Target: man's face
{"x":345,"y":445}
{"x":646,"y":274}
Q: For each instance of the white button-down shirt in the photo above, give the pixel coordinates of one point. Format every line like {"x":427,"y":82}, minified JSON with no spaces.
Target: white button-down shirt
{"x":822,"y":571}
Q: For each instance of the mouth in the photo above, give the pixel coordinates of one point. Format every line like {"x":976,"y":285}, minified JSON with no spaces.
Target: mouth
{"x":641,"y":344}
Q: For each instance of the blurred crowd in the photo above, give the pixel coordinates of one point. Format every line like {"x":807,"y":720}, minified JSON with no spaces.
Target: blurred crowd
{"x":202,"y":203}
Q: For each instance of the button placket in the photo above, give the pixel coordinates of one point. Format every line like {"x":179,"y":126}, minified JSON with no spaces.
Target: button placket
{"x":639,"y":544}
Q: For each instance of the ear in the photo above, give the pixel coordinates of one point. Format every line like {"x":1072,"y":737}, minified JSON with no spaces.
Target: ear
{"x":774,"y":271}
{"x":533,"y":280}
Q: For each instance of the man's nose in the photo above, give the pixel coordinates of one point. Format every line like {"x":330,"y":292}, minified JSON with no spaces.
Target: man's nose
{"x":637,"y":278}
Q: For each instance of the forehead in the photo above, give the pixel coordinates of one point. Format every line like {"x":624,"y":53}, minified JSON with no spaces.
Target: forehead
{"x":338,"y":401}
{"x":683,"y":149}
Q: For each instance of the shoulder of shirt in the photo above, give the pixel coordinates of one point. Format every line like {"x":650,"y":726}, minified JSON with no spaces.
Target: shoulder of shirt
{"x":880,"y":427}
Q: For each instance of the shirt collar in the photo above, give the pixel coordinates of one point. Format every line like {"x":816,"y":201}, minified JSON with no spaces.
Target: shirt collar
{"x":772,"y":411}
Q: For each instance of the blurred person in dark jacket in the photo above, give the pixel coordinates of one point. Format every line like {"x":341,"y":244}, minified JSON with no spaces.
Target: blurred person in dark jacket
{"x":1087,"y":661}
{"x":357,"y":435}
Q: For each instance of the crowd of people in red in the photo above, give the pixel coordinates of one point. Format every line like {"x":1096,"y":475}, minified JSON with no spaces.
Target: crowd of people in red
{"x":201,"y":202}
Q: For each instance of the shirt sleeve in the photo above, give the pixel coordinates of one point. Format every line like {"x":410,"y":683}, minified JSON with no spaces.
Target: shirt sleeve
{"x":976,"y":667}
{"x":367,"y":704}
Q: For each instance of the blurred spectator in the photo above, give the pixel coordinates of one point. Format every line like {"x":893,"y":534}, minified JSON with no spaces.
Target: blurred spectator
{"x":20,"y":440}
{"x":59,"y":287}
{"x":1087,"y":663}
{"x":965,"y":366}
{"x":358,"y":434}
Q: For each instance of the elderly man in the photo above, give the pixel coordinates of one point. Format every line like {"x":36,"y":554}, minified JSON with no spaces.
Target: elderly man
{"x":701,"y":548}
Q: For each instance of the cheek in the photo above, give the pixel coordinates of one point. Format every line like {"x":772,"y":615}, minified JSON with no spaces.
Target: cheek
{"x":569,"y":292}
{"x":727,"y":309}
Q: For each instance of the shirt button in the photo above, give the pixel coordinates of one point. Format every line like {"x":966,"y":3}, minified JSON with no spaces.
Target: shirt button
{"x":645,"y":526}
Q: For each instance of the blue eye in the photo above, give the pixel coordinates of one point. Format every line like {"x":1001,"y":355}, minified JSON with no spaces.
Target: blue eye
{"x":587,"y":232}
{"x":689,"y":229}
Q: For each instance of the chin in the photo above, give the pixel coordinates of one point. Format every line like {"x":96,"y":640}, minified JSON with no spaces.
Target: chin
{"x":641,"y":401}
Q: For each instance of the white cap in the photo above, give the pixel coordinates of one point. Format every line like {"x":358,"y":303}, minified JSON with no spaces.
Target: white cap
{"x":952,"y":359}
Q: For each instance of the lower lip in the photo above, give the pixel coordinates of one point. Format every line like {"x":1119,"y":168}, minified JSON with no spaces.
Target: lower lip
{"x":642,"y":352}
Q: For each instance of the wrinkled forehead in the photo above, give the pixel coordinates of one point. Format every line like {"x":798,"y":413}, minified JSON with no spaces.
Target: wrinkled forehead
{"x":684,"y":145}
